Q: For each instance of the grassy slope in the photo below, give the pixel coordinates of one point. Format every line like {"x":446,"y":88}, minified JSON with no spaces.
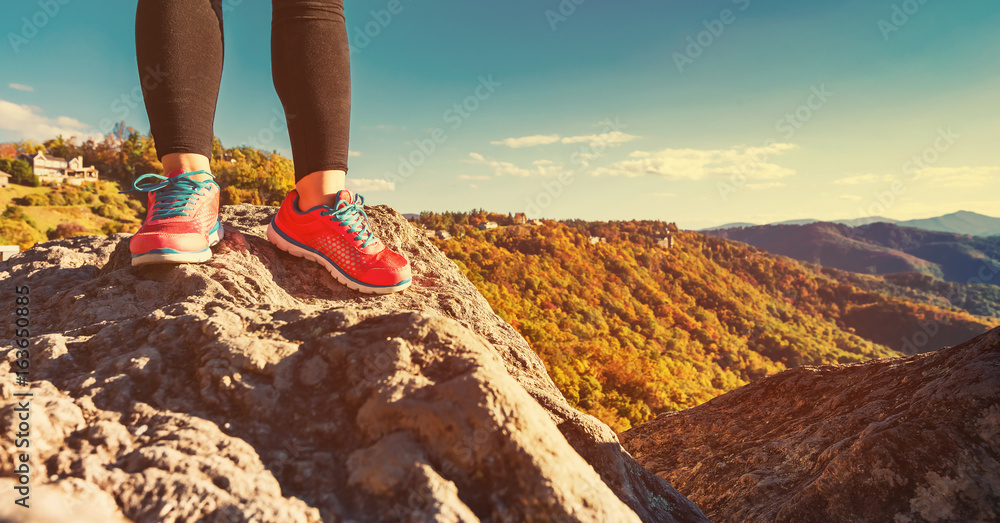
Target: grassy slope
{"x":7,"y":194}
{"x":49,"y":216}
{"x":46,"y":217}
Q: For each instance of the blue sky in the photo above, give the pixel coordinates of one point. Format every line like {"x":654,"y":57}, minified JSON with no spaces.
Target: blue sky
{"x":696,"y":112}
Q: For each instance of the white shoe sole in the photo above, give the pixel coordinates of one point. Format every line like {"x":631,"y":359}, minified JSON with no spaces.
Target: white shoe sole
{"x":181,"y":257}
{"x":279,"y":241}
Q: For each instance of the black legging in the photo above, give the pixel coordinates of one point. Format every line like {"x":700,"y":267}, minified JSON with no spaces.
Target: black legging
{"x":179,"y":49}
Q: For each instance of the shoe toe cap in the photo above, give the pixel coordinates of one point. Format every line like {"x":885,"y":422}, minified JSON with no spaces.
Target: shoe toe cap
{"x":181,"y":242}
{"x":392,"y":269}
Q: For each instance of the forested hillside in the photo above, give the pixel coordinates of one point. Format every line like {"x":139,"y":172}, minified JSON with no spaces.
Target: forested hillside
{"x":629,"y":328}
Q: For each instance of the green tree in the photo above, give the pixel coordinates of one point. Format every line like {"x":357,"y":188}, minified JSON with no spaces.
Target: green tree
{"x":13,"y":232}
{"x":20,"y":172}
{"x":36,"y":200}
{"x":63,"y":148}
{"x":29,"y":147}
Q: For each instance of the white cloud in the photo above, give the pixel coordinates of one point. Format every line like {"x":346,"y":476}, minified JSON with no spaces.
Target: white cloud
{"x":663,"y":194}
{"x":472,"y":177}
{"x":608,"y":139}
{"x":859,"y":179}
{"x":501,"y":168}
{"x":850,"y":197}
{"x":31,"y":124}
{"x":960,"y":176}
{"x":21,"y":87}
{"x":528,"y":141}
{"x":699,"y":164}
{"x":584,"y":158}
{"x":353,"y":154}
{"x":367,"y":185}
{"x":73,"y":123}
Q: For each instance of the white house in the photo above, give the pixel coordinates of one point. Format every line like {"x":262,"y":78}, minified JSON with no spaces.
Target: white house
{"x":55,"y":169}
{"x":667,"y":242}
{"x":4,"y":179}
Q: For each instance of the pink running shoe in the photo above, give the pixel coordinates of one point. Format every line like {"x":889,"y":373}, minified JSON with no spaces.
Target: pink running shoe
{"x":340,"y":239}
{"x":182,"y":223}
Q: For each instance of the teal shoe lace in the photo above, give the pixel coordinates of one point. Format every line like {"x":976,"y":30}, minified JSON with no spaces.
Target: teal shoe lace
{"x":353,"y":214}
{"x":175,"y":196}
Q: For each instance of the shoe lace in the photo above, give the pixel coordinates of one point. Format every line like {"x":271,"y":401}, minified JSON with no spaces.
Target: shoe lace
{"x":353,"y":214}
{"x":174,"y":196}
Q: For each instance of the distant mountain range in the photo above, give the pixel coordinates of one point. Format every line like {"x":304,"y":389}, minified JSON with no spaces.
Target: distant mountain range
{"x":881,"y":248}
{"x":961,"y":222}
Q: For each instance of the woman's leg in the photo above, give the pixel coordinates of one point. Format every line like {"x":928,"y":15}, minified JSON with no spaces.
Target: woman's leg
{"x":179,"y":50}
{"x":311,"y":66}
{"x":182,"y":41}
{"x":310,"y":61}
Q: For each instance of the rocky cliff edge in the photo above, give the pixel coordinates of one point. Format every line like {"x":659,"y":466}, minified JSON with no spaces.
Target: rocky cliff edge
{"x":254,"y":387}
{"x":901,"y":440}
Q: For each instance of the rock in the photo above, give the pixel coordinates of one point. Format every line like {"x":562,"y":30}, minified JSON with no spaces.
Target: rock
{"x":907,"y":440}
{"x":71,"y":499}
{"x":254,"y":387}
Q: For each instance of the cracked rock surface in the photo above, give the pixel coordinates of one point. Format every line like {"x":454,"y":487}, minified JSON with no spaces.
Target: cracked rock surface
{"x":254,"y":387}
{"x":900,"y":440}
